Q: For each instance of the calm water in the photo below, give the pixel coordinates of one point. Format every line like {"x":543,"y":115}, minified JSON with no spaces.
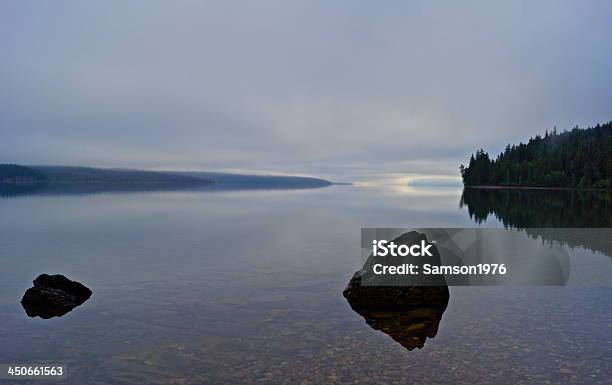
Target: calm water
{"x":246,"y":287}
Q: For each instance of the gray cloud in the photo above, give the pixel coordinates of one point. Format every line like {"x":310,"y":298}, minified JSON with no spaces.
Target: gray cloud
{"x":303,"y":87}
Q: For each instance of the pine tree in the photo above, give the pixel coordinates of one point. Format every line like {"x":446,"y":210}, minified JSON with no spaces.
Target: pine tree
{"x":579,"y":158}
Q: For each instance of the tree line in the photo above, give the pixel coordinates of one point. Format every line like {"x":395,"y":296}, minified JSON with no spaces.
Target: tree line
{"x":579,"y":158}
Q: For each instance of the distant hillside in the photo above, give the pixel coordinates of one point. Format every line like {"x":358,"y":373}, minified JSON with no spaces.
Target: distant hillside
{"x":580,"y":158}
{"x":90,"y":175}
{"x":16,"y":174}
{"x":18,"y":180}
{"x":263,"y":181}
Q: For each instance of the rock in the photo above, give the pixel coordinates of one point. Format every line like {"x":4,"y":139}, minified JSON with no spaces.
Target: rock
{"x":386,"y":293}
{"x":392,"y":298}
{"x":53,"y":296}
{"x":408,"y":314}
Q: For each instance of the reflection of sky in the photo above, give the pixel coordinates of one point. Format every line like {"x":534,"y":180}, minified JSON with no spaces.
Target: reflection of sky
{"x":106,"y":239}
{"x":107,"y":232}
{"x":413,"y":184}
{"x":334,"y":90}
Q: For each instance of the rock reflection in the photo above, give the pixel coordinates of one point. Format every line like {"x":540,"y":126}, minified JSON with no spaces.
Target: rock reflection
{"x":53,"y":296}
{"x":408,"y":314}
{"x":409,"y":327}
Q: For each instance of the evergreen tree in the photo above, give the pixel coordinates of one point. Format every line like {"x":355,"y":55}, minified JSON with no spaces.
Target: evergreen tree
{"x":580,"y":158}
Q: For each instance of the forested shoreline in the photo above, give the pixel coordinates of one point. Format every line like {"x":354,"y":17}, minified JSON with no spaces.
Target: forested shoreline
{"x":579,"y":158}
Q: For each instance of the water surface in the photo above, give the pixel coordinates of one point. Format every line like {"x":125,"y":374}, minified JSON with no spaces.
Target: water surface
{"x":245,"y":287}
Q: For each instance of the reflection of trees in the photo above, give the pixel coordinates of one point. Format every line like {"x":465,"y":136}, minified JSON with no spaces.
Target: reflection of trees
{"x":574,"y":218}
{"x":10,"y":190}
{"x":540,"y":208}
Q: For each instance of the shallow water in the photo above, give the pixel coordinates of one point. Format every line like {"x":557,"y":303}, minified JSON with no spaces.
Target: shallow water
{"x":246,"y":287}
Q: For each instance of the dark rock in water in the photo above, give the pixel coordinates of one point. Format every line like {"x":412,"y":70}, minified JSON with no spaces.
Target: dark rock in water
{"x":408,"y":314}
{"x":53,"y":296}
{"x":393,"y":298}
{"x":396,"y":292}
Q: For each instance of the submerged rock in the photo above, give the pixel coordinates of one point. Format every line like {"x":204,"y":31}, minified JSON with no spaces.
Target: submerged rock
{"x":408,"y":314}
{"x":53,"y":296}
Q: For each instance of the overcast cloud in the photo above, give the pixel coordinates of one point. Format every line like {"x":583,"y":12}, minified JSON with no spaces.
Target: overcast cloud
{"x":329,"y":88}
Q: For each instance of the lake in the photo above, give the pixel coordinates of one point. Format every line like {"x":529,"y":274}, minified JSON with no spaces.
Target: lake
{"x":244,"y":287}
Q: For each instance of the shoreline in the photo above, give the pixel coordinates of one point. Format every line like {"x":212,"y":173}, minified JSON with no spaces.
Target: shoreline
{"x":534,"y":188}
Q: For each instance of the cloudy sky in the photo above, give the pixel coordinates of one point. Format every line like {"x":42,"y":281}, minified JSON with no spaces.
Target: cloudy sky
{"x":329,"y":88}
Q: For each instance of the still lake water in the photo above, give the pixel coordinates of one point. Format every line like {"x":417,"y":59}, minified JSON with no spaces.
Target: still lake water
{"x":243,"y":287}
